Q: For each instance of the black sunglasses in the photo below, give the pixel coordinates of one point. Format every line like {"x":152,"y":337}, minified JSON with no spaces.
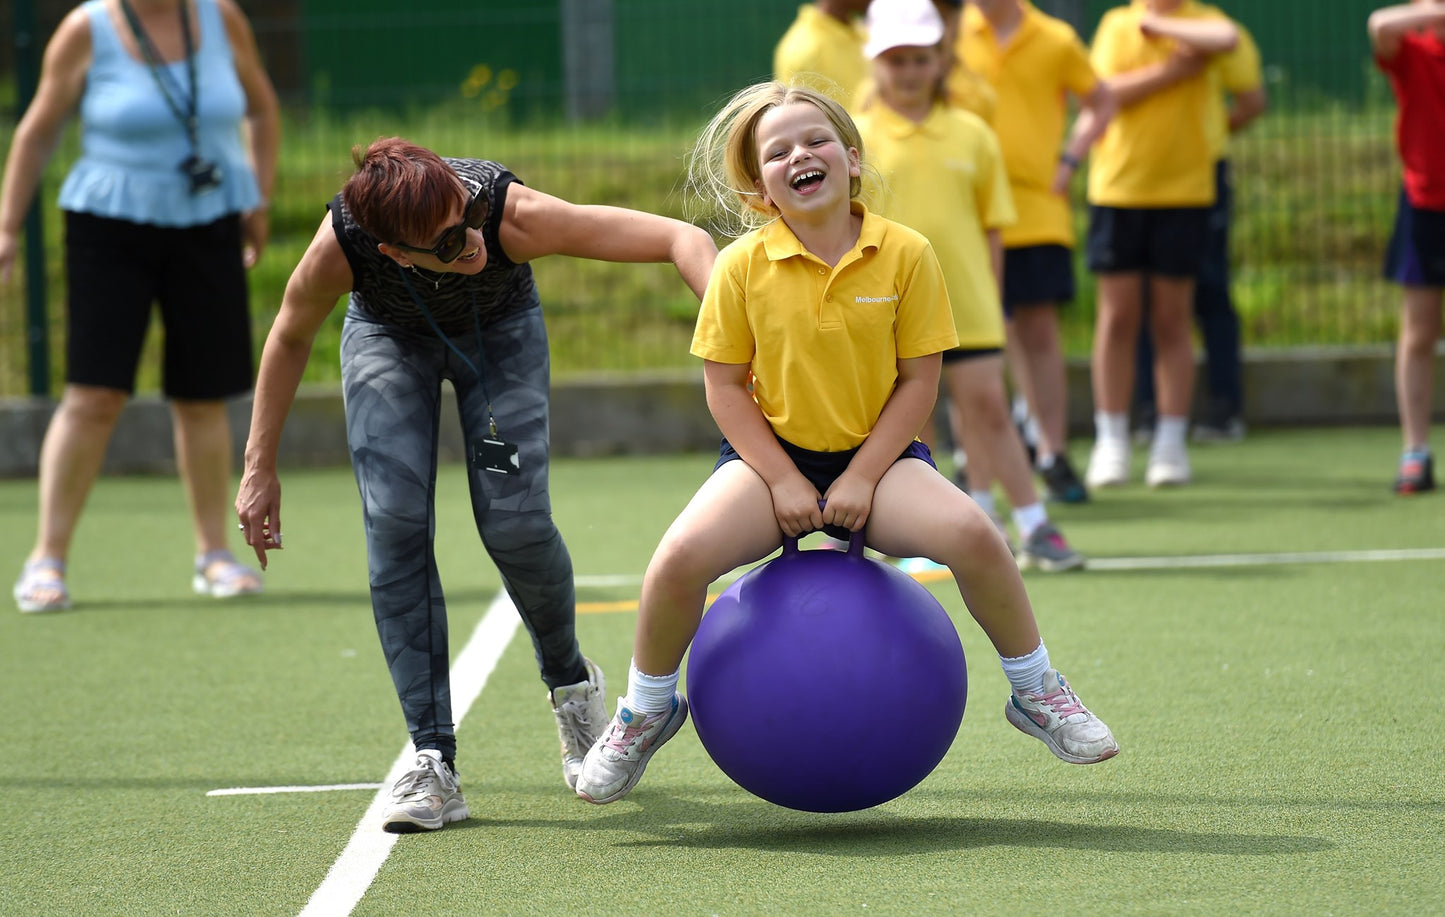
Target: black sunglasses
{"x":454,"y":239}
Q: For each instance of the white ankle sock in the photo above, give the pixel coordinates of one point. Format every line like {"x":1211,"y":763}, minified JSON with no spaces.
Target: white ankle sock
{"x":1169,"y":432}
{"x":1026,"y":673}
{"x":1027,"y":519}
{"x":648,"y":694}
{"x":1111,"y":426}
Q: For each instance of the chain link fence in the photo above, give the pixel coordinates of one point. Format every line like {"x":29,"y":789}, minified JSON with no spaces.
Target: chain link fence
{"x":599,"y":100}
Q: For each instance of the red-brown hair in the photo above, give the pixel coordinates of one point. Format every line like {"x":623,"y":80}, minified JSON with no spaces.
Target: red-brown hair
{"x":401,"y":192}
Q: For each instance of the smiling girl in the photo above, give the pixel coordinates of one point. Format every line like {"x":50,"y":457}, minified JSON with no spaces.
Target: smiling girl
{"x":820,"y":332}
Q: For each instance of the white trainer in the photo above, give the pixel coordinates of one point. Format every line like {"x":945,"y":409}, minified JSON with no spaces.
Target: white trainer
{"x":1060,"y":720}
{"x":581,"y":712}
{"x":615,"y":763}
{"x":1108,"y":463}
{"x":426,"y":798}
{"x":1168,"y":466}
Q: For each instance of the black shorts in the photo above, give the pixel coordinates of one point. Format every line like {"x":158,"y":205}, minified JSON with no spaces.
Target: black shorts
{"x":117,"y":270}
{"x":1037,"y":275}
{"x":1166,"y":240}
{"x":1416,"y":256}
{"x":822,"y":468}
{"x":959,"y":354}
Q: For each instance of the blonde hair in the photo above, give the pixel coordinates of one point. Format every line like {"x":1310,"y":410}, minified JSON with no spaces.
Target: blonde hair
{"x":724,"y":173}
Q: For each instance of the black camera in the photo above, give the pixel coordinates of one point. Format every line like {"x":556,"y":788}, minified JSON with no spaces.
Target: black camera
{"x":204,"y":174}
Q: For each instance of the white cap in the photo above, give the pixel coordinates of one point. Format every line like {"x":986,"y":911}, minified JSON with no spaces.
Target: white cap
{"x":902,"y":23}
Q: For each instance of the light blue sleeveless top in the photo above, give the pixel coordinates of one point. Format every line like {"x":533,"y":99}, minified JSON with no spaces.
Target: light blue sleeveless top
{"x":132,"y":144}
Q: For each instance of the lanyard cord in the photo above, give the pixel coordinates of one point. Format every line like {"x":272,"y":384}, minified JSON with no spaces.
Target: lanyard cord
{"x":162,"y":74}
{"x":476,"y":329}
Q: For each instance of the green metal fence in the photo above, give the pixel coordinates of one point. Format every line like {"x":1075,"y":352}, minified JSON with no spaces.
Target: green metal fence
{"x":598,"y":100}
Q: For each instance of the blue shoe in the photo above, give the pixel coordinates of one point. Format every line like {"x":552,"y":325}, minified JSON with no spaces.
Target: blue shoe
{"x":1417,"y":473}
{"x":1063,"y":482}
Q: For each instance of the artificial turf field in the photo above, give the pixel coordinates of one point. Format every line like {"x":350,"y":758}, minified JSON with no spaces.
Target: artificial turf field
{"x":1282,"y":736}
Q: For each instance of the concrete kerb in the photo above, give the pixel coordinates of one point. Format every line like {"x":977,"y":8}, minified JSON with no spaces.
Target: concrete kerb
{"x":660,"y":412}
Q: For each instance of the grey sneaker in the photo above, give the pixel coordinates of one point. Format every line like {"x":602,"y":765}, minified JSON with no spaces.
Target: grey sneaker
{"x":1047,"y":550}
{"x":581,"y":712}
{"x":615,"y":763}
{"x":425,"y":799}
{"x":1060,"y":720}
{"x":1225,"y":430}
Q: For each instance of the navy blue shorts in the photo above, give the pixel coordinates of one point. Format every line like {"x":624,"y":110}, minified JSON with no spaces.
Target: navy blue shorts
{"x":823,"y":468}
{"x":1416,"y":256}
{"x":117,"y":272}
{"x":1037,"y":275}
{"x":959,"y":354}
{"x":1168,"y":240}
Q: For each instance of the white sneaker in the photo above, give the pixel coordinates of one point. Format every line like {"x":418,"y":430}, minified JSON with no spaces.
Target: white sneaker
{"x":616,"y":761}
{"x":1168,"y":466}
{"x":1108,"y":463}
{"x":426,"y":798}
{"x":1059,"y":719}
{"x":581,"y":712}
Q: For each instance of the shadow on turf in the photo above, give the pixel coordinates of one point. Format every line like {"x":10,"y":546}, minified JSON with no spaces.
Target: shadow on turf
{"x":748,"y":823}
{"x":876,"y":834}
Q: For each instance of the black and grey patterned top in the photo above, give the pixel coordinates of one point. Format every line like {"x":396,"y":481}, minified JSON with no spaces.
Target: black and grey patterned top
{"x":378,"y":291}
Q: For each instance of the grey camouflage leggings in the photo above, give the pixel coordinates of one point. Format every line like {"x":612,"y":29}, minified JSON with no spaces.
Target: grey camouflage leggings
{"x":392,"y":388}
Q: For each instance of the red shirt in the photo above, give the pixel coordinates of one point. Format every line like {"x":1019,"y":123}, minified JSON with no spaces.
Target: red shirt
{"x":1417,"y":74}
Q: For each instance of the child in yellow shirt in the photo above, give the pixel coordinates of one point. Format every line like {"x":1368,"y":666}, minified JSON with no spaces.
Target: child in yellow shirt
{"x":943,"y":175}
{"x":1151,"y":183}
{"x":820,"y":331}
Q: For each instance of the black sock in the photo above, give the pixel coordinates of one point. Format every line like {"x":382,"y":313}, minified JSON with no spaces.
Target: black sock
{"x":578,"y":676}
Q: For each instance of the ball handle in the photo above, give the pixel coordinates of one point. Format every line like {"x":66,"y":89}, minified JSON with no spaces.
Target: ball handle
{"x":855,"y":544}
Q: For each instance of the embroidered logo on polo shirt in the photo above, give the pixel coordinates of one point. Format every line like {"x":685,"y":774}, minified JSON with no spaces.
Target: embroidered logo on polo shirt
{"x":893,"y":298}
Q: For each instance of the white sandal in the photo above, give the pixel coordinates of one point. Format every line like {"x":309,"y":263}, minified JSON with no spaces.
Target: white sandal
{"x":41,"y":576}
{"x":229,"y":578}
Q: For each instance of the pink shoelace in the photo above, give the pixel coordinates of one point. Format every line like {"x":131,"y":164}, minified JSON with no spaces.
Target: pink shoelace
{"x":1063,"y":703}
{"x":620,"y":740}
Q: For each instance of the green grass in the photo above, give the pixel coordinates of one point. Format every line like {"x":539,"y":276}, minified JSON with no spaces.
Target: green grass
{"x":1316,"y":194}
{"x":1280,"y":739}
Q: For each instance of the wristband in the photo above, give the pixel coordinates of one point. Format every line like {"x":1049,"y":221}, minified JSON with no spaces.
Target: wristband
{"x":1069,"y":160}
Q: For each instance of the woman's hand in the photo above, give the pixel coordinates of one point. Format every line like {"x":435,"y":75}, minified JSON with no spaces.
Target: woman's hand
{"x":255,"y":232}
{"x":258,"y":507}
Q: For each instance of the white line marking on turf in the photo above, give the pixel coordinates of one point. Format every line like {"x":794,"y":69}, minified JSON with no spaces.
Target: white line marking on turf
{"x":353,"y":872}
{"x":266,"y":790}
{"x":1167,"y":562}
{"x":1264,"y":560}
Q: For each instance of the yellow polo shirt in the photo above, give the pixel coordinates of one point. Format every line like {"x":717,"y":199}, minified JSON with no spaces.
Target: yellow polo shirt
{"x":971,"y":92}
{"x":1042,"y":60}
{"x":1155,"y":153}
{"x":823,"y":343}
{"x":945,"y":177}
{"x":818,"y":44}
{"x":1238,"y":71}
